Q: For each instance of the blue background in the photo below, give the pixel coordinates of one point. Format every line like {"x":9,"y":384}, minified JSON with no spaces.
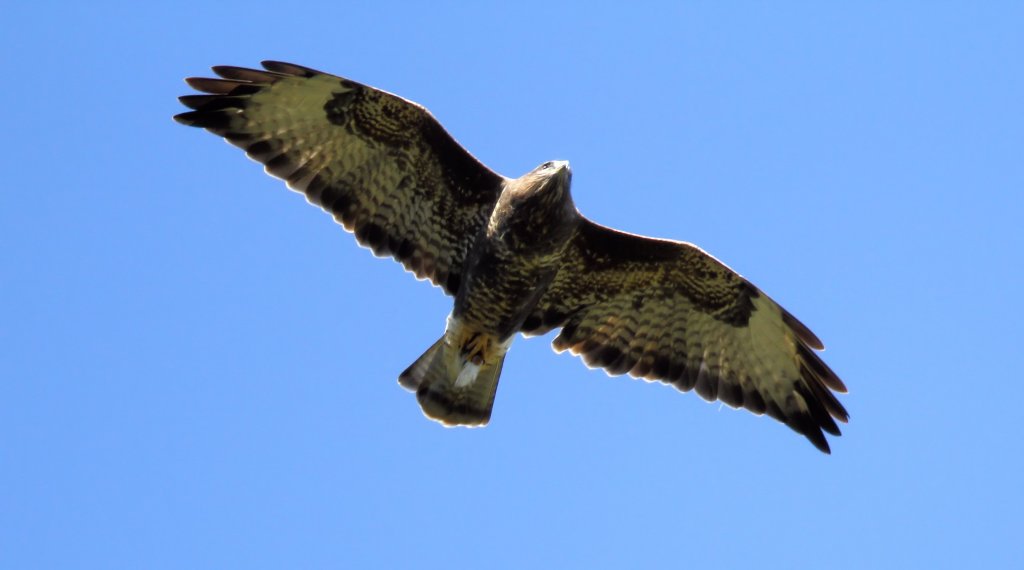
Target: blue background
{"x":199,"y":370}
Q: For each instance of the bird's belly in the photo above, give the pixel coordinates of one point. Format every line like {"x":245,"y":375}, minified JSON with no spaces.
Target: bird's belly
{"x":501,"y":291}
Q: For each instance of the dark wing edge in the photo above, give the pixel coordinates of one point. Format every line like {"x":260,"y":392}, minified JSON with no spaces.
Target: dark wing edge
{"x":383,"y":166}
{"x":667,"y":311}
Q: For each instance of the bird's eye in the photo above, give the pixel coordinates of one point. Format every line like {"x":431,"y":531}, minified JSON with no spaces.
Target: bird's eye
{"x":547,"y":165}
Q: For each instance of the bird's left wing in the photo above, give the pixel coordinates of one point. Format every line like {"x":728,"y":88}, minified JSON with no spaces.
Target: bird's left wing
{"x":665,"y":310}
{"x":382,"y":165}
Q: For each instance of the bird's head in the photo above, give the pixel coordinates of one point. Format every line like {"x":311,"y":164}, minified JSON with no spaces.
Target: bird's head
{"x":536,"y":204}
{"x":552,"y":175}
{"x":543,"y":187}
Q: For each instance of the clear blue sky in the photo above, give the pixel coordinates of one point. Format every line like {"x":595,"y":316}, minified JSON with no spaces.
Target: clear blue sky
{"x":198,"y":370}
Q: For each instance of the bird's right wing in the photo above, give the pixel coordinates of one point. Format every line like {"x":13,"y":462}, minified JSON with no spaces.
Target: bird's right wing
{"x":381,"y":165}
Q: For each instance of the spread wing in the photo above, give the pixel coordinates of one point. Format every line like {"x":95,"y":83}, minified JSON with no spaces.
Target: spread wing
{"x":667,"y":311}
{"x":381,"y":165}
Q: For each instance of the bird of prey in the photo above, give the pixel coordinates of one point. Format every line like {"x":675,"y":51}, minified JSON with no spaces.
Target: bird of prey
{"x":516,"y":255}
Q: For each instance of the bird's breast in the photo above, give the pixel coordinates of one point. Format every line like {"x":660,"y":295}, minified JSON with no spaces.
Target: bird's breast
{"x":506,"y":274}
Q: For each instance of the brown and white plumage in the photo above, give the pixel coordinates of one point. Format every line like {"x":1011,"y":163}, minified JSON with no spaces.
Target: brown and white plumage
{"x":668,"y":311}
{"x":516,"y":255}
{"x":381,"y":165}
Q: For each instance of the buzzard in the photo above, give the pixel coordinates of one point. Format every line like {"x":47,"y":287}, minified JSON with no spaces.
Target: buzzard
{"x":516,"y":255}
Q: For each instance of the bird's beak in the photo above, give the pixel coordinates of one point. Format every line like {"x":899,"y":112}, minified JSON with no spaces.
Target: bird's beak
{"x":563,"y":171}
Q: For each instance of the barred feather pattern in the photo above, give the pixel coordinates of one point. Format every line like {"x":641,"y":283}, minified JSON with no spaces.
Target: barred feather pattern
{"x":381,"y":165}
{"x":387,"y":171}
{"x":667,"y":311}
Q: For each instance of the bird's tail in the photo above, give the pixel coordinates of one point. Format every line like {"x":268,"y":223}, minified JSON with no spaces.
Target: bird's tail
{"x":449,"y":388}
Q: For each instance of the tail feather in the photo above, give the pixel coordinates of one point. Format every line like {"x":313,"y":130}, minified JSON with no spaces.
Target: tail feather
{"x":450,"y":392}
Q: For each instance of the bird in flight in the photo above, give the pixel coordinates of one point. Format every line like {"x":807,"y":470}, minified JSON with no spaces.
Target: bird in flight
{"x":516,"y":255}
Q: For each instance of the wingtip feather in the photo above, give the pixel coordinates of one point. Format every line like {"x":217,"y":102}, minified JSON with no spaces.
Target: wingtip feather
{"x":246,"y":74}
{"x":801,"y":330}
{"x":289,"y":68}
{"x":187,"y":118}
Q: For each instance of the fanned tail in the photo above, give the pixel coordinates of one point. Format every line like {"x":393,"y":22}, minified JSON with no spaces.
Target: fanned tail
{"x":450,"y":391}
